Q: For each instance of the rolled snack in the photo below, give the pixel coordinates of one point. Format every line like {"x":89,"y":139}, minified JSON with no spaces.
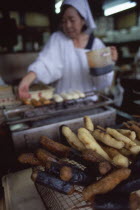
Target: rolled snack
{"x":72,"y":138}
{"x":128,"y":133}
{"x":104,"y":167}
{"x":57,"y":98}
{"x":107,"y":139}
{"x":128,"y":142}
{"x":135,"y":149}
{"x":81,"y":94}
{"x":26,"y":101}
{"x":117,"y":158}
{"x":134,"y":200}
{"x":92,"y":156}
{"x":35,"y":102}
{"x":90,"y":143}
{"x":74,"y":95}
{"x":88,"y":124}
{"x":76,"y":176}
{"x":66,"y":96}
{"x":125,"y":152}
{"x":134,"y":128}
{"x":106,"y":184}
{"x":45,"y":156}
{"x":29,"y":158}
{"x":95,"y":160}
{"x":55,"y":147}
{"x":44,"y":101}
{"x":137,"y":142}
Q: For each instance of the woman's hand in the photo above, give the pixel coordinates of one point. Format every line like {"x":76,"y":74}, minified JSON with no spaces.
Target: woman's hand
{"x":114,"y":53}
{"x":23,"y":89}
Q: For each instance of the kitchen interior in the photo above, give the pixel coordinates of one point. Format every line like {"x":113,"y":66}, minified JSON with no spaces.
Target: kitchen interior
{"x":25,"y":28}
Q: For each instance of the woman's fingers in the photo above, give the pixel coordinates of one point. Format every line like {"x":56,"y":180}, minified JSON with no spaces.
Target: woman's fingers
{"x":114,"y":53}
{"x":23,"y":91}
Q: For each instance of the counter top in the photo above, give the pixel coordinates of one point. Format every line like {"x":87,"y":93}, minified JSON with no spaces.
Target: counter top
{"x":20,"y":192}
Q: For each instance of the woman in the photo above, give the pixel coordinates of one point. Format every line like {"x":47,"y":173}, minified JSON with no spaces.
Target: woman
{"x":63,"y":59}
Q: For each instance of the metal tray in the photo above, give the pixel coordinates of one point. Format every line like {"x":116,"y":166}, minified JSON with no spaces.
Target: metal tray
{"x":29,"y":113}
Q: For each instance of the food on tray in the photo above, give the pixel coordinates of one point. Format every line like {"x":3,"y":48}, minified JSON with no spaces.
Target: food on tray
{"x":107,"y":176}
{"x":88,"y":124}
{"x":29,"y":158}
{"x":134,"y":200}
{"x":106,"y":184}
{"x":134,"y":127}
{"x":72,"y":95}
{"x":120,"y":137}
{"x":45,"y":156}
{"x":90,"y":143}
{"x":45,"y":101}
{"x":26,"y":101}
{"x":104,"y":167}
{"x":135,"y":149}
{"x":35,"y":102}
{"x":52,"y":182}
{"x":92,"y":156}
{"x":54,"y":146}
{"x":116,"y":157}
{"x":72,"y":138}
{"x":58,"y":98}
{"x":77,"y":176}
{"x":128,"y":133}
{"x":81,"y":94}
{"x":107,"y":139}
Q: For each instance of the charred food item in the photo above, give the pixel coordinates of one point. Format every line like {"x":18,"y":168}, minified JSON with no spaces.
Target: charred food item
{"x":96,"y":161}
{"x":70,"y":173}
{"x":92,"y":156}
{"x":52,"y":182}
{"x":29,"y":158}
{"x":76,"y":176}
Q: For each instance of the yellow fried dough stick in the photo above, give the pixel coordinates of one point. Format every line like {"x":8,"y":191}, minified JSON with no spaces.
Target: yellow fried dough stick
{"x":90,"y":143}
{"x":118,"y":136}
{"x":107,"y":139}
{"x":128,"y":133}
{"x":72,"y":138}
{"x":88,"y":124}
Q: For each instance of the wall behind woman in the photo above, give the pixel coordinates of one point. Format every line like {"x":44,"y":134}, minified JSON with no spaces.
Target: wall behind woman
{"x":14,"y":66}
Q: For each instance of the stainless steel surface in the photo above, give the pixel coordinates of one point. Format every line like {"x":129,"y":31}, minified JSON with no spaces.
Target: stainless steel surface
{"x":15,"y":113}
{"x":29,"y":139}
{"x":91,"y":101}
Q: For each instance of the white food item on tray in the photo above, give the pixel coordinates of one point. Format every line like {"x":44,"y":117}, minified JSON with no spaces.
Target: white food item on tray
{"x":57,"y":98}
{"x":72,"y":95}
{"x":81,"y":94}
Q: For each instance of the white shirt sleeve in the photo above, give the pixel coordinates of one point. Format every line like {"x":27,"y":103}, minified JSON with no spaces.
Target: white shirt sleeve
{"x":48,"y":66}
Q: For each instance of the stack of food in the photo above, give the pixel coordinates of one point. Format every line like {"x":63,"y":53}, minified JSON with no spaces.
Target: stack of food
{"x":106,"y":164}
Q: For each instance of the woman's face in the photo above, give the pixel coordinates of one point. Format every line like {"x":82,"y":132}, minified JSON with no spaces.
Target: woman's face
{"x":72,"y":23}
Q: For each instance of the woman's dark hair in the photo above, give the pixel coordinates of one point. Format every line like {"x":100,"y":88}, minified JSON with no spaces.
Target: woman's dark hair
{"x":63,"y":9}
